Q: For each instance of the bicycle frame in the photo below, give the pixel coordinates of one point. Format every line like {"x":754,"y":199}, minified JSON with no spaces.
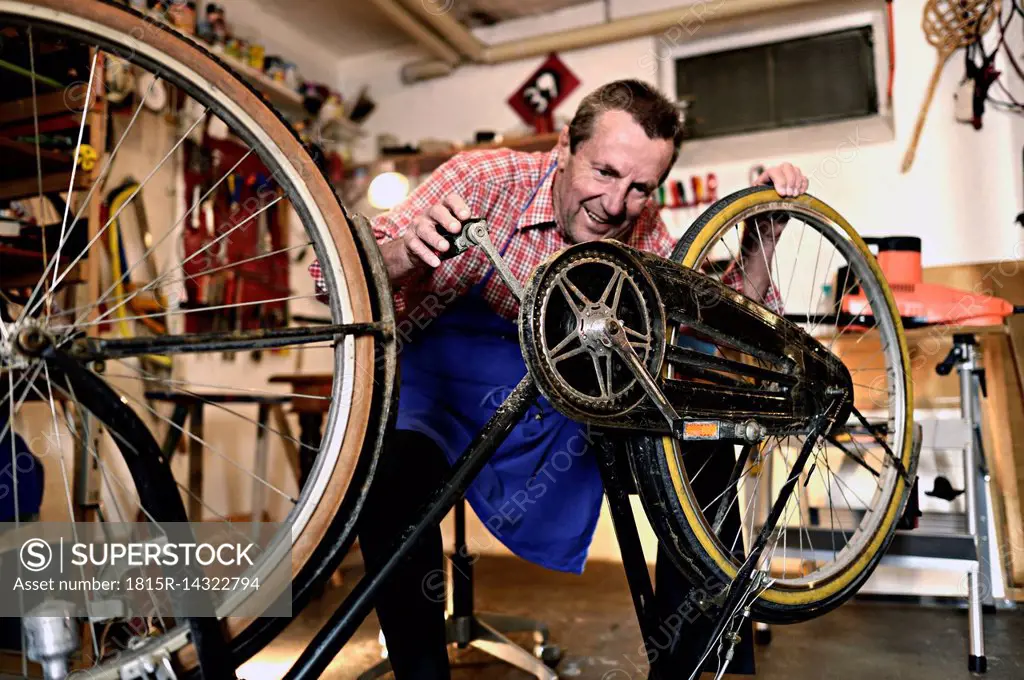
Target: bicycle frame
{"x":809,"y":392}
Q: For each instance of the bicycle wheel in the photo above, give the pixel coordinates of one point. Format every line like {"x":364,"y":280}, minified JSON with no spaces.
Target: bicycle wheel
{"x":71,"y":40}
{"x":853,"y":490}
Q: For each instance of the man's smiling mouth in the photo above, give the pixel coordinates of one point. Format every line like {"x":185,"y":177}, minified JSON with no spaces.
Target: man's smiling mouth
{"x":593,"y":217}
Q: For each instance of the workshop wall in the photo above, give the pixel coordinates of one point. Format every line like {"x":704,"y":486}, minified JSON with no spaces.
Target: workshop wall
{"x":961,"y":195}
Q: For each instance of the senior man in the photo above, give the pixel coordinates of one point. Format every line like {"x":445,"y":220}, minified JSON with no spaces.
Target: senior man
{"x":464,"y":358}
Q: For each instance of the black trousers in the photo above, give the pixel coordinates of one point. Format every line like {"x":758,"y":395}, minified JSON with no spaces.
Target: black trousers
{"x":411,"y":609}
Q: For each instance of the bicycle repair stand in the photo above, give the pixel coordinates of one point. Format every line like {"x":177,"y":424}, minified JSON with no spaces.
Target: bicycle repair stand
{"x":485,"y":631}
{"x":963,"y":356}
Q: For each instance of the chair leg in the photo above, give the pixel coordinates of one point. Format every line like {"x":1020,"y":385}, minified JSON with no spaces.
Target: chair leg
{"x":505,"y":623}
{"x":489,"y":640}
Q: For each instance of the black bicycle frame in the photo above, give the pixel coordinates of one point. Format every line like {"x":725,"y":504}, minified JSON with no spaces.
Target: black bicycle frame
{"x":804,"y":381}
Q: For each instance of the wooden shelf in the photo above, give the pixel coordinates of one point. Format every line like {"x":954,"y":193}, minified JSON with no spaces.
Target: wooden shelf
{"x":11,"y":190}
{"x":425,"y":163}
{"x":29,"y":150}
{"x":21,"y":109}
{"x":285,"y":99}
{"x":290,"y":102}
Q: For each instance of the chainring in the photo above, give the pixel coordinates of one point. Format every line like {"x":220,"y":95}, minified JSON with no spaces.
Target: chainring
{"x":565,"y":299}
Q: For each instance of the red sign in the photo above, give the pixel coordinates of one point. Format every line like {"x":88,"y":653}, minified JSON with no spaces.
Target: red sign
{"x":536,"y":99}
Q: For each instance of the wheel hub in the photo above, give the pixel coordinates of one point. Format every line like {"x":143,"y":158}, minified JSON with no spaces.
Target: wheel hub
{"x":24,"y":345}
{"x":593,"y":329}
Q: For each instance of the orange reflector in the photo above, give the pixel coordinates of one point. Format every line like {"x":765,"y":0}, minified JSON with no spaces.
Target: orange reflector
{"x":706,"y":429}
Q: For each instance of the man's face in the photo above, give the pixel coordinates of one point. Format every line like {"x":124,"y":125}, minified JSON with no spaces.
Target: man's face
{"x":602,"y":188}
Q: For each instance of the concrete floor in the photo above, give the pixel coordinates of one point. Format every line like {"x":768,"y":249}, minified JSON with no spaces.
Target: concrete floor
{"x":591,"y":617}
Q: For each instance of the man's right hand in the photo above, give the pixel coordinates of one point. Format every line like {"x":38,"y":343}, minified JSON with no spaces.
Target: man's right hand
{"x":415,"y":252}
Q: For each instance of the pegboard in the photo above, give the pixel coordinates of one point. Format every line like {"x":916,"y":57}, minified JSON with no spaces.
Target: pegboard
{"x":234,"y":258}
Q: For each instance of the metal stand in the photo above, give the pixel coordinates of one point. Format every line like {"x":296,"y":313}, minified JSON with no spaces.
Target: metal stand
{"x":485,"y":631}
{"x":972,"y":379}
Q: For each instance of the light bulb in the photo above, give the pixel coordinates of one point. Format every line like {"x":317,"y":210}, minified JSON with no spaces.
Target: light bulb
{"x":387,"y":190}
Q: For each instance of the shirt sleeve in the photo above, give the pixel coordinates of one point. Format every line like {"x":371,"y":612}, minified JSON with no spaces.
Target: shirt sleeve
{"x":453,"y":176}
{"x":733,"y":277}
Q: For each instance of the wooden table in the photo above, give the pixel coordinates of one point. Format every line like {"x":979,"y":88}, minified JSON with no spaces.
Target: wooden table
{"x":310,"y":401}
{"x":189,"y":406}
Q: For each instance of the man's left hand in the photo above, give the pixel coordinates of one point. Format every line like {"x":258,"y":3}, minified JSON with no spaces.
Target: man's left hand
{"x":787,"y":179}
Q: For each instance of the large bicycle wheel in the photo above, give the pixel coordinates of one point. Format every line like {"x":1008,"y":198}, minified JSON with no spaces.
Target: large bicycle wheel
{"x":64,"y":45}
{"x":853,"y":490}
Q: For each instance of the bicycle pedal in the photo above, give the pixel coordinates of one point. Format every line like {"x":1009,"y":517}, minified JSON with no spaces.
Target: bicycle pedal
{"x":457,"y":243}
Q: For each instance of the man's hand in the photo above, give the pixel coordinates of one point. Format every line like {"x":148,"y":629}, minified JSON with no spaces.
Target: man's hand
{"x":415,"y":251}
{"x":787,"y":178}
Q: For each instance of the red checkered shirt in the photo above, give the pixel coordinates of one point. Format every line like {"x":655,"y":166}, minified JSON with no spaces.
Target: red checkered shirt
{"x":498,"y":185}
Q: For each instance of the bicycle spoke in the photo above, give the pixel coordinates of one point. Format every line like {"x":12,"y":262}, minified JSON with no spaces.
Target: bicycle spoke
{"x":839,"y":308}
{"x":600,"y":378}
{"x":858,"y":459}
{"x":817,"y":302}
{"x":74,"y":164}
{"x":246,"y":390}
{"x":739,"y":262}
{"x":214,"y":450}
{"x":568,"y":355}
{"x":144,"y":375}
{"x":832,"y":516}
{"x":614,"y":283}
{"x":108,"y":163}
{"x":35,"y":129}
{"x":113,"y":217}
{"x":149,"y":286}
{"x":189,"y":259}
{"x":70,"y":393}
{"x":69,"y":329}
{"x":67,"y":486}
{"x":562,"y":280}
{"x":121,"y":515}
{"x":636,"y":334}
{"x":17,"y":513}
{"x":177,"y":483}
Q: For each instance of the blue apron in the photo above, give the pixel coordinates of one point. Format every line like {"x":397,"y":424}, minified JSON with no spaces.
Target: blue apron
{"x":541,"y":492}
{"x":17,"y":459}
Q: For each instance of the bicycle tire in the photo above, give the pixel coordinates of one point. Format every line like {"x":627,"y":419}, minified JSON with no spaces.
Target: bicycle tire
{"x":678,"y":520}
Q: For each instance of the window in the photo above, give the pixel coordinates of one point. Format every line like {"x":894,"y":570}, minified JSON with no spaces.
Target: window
{"x":787,"y":77}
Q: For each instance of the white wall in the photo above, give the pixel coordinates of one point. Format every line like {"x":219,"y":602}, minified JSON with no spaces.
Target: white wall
{"x":961,"y":195}
{"x":251,"y":22}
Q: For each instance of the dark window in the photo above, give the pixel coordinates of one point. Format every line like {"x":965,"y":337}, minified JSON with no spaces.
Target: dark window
{"x":797,"y":82}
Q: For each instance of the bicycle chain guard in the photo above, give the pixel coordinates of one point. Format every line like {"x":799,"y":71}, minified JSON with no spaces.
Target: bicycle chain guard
{"x":594,"y":323}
